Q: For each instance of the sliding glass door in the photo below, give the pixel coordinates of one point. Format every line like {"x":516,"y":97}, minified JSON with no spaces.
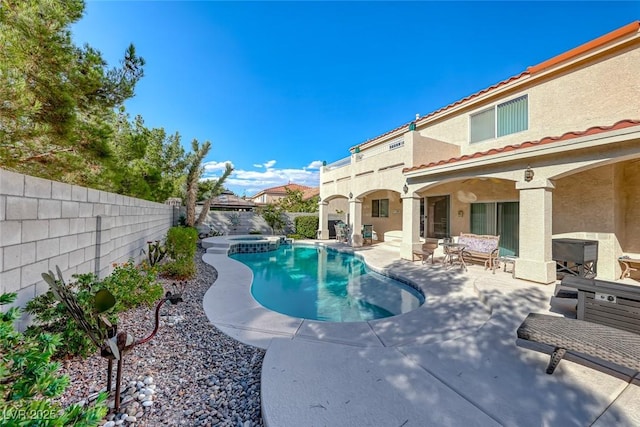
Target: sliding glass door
{"x":498,"y":218}
{"x":437,"y":213}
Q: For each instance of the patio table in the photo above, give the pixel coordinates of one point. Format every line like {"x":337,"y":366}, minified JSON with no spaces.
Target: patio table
{"x":453,"y":254}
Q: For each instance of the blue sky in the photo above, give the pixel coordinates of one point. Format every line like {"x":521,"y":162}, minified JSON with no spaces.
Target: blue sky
{"x":278,"y":87}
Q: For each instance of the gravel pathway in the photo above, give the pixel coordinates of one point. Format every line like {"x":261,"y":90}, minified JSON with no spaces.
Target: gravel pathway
{"x":201,"y":376}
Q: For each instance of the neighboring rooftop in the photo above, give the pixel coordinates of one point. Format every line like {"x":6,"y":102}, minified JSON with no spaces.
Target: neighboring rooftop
{"x":281,"y":190}
{"x":229,"y":201}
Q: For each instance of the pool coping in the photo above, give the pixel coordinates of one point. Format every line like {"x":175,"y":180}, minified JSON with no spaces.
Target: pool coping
{"x":231,"y":307}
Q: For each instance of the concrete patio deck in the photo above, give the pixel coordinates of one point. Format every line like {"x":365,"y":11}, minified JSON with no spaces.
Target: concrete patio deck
{"x":454,"y":361}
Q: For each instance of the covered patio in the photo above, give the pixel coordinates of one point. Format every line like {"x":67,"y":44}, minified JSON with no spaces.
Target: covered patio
{"x":453,"y":361}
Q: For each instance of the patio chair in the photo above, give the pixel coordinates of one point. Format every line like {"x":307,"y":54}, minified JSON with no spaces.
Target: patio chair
{"x":367,"y":233}
{"x":428,"y":249}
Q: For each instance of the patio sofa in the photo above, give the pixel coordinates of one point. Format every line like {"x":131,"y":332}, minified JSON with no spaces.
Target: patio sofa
{"x":482,"y":248}
{"x":607,"y":325}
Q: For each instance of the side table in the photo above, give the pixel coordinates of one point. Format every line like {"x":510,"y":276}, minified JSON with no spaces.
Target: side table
{"x":509,"y":259}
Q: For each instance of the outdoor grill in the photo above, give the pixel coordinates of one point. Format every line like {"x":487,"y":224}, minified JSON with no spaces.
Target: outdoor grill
{"x":576,"y":257}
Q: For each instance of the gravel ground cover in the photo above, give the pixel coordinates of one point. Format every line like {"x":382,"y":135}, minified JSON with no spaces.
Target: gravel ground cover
{"x":195,"y":375}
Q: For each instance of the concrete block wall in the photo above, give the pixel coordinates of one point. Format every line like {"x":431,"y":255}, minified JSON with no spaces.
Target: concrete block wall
{"x":44,"y":224}
{"x":248,"y":221}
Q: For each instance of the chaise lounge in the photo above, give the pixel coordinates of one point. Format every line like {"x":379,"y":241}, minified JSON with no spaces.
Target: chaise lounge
{"x":607,"y":327}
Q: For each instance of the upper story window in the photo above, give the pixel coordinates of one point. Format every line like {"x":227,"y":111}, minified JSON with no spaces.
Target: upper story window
{"x":380,"y":208}
{"x":500,"y":120}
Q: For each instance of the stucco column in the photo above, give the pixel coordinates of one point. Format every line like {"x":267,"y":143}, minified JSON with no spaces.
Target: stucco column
{"x":534,"y":262}
{"x":410,"y":225}
{"x":355,"y":219}
{"x":323,"y":220}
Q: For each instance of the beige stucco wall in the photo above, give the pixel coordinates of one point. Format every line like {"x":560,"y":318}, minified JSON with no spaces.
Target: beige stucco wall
{"x":382,"y":225}
{"x":573,"y":101}
{"x":601,"y":204}
{"x":486,"y":190}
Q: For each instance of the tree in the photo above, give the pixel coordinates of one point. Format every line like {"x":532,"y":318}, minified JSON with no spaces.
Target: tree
{"x":148,"y":163}
{"x":215,"y":191}
{"x":194,"y":171}
{"x":293,"y":202}
{"x":273,"y":214}
{"x":58,"y":99}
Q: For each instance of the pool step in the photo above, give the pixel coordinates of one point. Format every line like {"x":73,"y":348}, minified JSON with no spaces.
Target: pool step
{"x":218,"y":250}
{"x":211,"y":243}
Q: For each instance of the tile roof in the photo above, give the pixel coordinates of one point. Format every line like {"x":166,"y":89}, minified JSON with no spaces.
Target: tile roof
{"x":282,"y":189}
{"x":546,"y":140}
{"x":593,"y":44}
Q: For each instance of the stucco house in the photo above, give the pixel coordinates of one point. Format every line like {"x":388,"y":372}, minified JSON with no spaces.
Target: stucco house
{"x":273,"y":194}
{"x":553,"y":152}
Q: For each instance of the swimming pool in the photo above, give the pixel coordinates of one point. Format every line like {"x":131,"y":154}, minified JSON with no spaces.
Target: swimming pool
{"x":323,"y":284}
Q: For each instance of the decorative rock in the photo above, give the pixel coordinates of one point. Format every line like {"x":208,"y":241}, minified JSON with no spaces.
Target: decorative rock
{"x":109,"y":424}
{"x":147,"y":403}
{"x":148,"y":380}
{"x":119,"y":422}
{"x":131,"y":419}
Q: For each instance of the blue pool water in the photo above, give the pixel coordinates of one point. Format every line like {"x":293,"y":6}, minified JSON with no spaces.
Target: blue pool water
{"x":323,"y":284}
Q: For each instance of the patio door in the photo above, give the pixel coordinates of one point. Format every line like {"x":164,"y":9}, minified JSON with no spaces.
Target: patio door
{"x":437,"y":213}
{"x":501,"y":218}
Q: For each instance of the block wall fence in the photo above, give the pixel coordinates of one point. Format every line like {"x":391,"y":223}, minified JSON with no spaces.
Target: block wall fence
{"x":44,"y":224}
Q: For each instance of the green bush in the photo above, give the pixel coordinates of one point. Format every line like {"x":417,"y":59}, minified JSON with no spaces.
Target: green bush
{"x":181,"y":247}
{"x":28,"y":379}
{"x":179,"y":270}
{"x":130,"y":285}
{"x":307,"y":226}
{"x":181,"y":243}
{"x":51,"y":316}
{"x":296,"y":236}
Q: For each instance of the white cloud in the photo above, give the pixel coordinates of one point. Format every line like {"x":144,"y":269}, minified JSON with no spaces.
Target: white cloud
{"x":210,"y":167}
{"x":316,"y":164}
{"x":250,"y":182}
{"x":269,"y":164}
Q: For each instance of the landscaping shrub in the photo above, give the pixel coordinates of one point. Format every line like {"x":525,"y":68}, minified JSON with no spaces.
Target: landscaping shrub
{"x":307,"y":226}
{"x":28,"y":380}
{"x":130,"y":285}
{"x":51,"y":316}
{"x":181,"y":247}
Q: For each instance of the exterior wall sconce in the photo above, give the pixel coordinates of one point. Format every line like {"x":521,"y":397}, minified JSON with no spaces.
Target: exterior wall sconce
{"x":412,"y":126}
{"x":350,"y":195}
{"x":405,"y":188}
{"x":528,"y":174}
{"x":460,"y":213}
{"x":357,"y":150}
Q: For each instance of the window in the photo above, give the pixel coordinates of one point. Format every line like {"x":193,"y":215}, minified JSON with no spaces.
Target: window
{"x":380,"y":208}
{"x":503,"y":119}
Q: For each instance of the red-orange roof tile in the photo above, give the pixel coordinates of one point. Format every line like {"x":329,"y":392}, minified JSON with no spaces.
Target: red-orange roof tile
{"x":593,"y":44}
{"x":546,"y":140}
